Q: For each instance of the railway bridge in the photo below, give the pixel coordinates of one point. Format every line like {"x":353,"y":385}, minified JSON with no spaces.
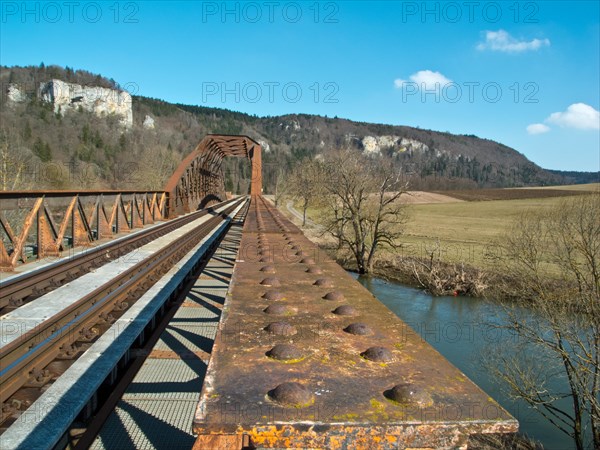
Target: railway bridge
{"x":185,"y":319}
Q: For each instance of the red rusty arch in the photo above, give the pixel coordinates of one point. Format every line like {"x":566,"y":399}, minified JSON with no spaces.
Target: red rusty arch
{"x":199,"y":178}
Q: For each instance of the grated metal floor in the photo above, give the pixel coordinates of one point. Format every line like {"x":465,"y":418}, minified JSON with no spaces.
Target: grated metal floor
{"x":158,"y":408}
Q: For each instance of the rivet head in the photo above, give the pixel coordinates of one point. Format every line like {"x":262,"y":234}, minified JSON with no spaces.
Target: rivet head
{"x":270,"y":281}
{"x":281,"y":329}
{"x":307,"y":261}
{"x":292,"y":394}
{"x":405,"y":393}
{"x":378,"y":354}
{"x":285,"y":352}
{"x":273,"y":295}
{"x":323,"y":282}
{"x":267,"y":269}
{"x":334,"y":295}
{"x":345,"y":310}
{"x":314,"y":270}
{"x":279,"y":310}
{"x":360,"y":329}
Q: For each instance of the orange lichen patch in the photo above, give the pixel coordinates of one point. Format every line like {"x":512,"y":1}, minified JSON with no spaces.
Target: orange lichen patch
{"x":222,"y":442}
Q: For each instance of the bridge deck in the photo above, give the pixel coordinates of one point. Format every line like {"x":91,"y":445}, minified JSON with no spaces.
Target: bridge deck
{"x":46,"y":422}
{"x":306,"y":357}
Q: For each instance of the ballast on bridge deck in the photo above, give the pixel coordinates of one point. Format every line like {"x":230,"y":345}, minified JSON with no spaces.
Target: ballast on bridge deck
{"x":305,"y":357}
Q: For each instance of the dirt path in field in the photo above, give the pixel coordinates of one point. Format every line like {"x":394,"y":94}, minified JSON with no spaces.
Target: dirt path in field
{"x":422,"y":198}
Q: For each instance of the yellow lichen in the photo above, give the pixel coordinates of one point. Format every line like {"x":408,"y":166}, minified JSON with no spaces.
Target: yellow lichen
{"x":348,"y":416}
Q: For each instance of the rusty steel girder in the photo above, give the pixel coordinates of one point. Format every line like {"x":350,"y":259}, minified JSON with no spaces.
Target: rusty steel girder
{"x":198,"y":181}
{"x":306,"y":357}
{"x":51,"y":220}
{"x":43,"y":220}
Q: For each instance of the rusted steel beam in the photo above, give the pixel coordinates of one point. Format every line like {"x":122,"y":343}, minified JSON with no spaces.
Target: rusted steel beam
{"x":45,"y":218}
{"x":199,"y":179}
{"x":306,"y":357}
{"x":19,"y":244}
{"x":256,"y":182}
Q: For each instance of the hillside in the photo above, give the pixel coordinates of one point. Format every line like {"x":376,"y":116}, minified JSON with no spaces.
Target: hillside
{"x":46,"y":147}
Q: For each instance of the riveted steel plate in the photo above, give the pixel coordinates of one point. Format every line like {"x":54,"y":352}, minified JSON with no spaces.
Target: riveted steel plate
{"x":416,"y":398}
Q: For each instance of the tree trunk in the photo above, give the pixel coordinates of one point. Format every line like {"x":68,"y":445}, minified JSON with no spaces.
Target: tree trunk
{"x":360,"y":264}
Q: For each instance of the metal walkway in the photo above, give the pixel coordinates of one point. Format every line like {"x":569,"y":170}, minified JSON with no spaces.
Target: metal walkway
{"x":158,"y":408}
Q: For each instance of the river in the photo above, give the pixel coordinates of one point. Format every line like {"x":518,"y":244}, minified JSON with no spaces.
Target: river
{"x":459,"y":328}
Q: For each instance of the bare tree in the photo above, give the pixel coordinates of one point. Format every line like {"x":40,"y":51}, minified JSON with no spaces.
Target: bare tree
{"x":364,"y":210}
{"x":442,"y":278}
{"x":14,"y":162}
{"x":154,"y":170}
{"x":281,"y":186}
{"x":553,"y":261}
{"x":306,"y":184}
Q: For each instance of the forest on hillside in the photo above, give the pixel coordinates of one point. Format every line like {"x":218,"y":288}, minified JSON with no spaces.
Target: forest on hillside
{"x":43,"y":149}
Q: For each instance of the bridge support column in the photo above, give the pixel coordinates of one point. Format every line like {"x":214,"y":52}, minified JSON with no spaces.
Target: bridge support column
{"x":256,"y":159}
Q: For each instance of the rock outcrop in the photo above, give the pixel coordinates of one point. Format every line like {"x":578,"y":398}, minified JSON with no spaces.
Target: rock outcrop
{"x":101,"y":101}
{"x":264,"y":145}
{"x":14,"y":94}
{"x":374,"y":144}
{"x":148,"y":122}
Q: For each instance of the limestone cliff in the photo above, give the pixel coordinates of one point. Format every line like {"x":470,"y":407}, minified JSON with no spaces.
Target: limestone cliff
{"x":101,"y":101}
{"x":374,"y":144}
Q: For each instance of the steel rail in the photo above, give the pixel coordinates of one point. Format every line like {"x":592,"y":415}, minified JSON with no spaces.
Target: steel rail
{"x":35,"y":349}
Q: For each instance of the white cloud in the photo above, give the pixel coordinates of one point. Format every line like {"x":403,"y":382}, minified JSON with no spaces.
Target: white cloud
{"x":399,"y":83}
{"x":578,"y":115}
{"x":501,"y":41}
{"x":425,"y":79}
{"x":537,"y":128}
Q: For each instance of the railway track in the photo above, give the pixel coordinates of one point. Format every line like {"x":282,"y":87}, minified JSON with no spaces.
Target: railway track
{"x":37,"y":357}
{"x":19,"y":290}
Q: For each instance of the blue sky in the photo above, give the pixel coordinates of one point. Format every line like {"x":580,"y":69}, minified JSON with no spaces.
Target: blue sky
{"x":526,"y":74}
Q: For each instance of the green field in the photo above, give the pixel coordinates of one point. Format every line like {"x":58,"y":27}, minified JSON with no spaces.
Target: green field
{"x":468,"y":232}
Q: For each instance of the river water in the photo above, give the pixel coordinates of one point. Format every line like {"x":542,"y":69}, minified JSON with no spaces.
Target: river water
{"x":461,"y":329}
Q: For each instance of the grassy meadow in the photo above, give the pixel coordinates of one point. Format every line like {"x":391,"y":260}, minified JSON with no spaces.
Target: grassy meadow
{"x":468,"y":232}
